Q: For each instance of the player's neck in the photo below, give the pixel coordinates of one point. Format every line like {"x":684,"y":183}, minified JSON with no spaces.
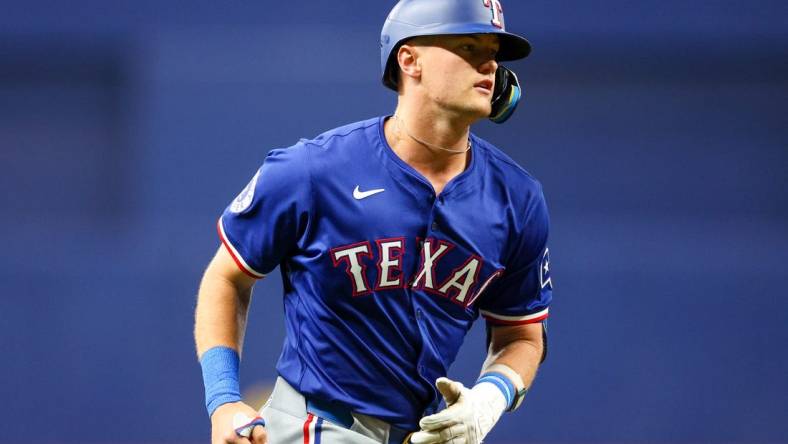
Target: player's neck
{"x":431,"y":134}
{"x":435,"y":147}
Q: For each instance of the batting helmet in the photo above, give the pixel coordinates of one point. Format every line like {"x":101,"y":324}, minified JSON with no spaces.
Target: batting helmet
{"x":412,"y":18}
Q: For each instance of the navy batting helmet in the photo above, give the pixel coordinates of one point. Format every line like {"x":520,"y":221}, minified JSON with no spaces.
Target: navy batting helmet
{"x":413,"y":18}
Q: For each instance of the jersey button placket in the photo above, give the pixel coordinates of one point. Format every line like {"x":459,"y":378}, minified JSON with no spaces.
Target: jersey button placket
{"x":436,"y":201}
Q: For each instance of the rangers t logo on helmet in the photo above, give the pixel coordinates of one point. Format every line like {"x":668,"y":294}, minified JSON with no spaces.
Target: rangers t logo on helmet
{"x":497,"y":12}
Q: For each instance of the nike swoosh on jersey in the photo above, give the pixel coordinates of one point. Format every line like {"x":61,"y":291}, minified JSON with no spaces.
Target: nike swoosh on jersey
{"x":358,"y":194}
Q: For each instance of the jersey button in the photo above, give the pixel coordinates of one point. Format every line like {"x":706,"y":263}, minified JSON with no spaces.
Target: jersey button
{"x":418,"y":313}
{"x":434,"y":226}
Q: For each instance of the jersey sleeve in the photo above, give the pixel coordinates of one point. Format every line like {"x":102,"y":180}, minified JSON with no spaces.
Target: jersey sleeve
{"x":523,"y":293}
{"x":264,"y":223}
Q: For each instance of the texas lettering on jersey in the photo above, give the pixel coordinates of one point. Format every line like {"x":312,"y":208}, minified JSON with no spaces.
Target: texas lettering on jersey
{"x":459,"y":286}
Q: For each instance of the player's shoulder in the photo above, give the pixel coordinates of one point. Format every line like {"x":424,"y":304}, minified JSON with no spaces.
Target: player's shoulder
{"x":349,"y":135}
{"x":340,"y":136}
{"x":505,"y":170}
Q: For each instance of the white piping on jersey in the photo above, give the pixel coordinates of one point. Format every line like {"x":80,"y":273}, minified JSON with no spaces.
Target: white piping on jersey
{"x":514,"y":318}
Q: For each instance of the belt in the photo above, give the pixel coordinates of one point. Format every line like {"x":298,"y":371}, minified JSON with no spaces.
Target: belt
{"x":343,"y":416}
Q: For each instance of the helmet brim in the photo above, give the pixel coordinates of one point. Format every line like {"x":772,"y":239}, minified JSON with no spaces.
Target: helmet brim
{"x":513,"y":47}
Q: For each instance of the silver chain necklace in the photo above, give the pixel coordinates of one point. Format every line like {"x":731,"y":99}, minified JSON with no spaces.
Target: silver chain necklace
{"x":401,"y":124}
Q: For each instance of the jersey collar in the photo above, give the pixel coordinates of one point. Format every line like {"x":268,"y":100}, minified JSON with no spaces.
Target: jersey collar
{"x":457,"y":185}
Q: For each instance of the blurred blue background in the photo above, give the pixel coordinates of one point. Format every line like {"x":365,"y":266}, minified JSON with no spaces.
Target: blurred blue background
{"x":659,"y":129}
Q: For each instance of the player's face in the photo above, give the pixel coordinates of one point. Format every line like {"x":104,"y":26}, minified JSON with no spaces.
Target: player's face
{"x":458,"y":72}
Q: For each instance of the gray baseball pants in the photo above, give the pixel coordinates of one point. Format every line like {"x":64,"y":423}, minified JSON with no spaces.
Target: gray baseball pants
{"x":292,"y":419}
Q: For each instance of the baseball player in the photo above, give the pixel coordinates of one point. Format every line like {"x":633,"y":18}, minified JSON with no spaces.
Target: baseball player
{"x":392,"y":236}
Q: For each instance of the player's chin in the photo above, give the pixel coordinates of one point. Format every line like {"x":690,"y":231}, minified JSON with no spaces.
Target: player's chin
{"x":472,"y":106}
{"x":481,"y":102}
{"x":479,"y":108}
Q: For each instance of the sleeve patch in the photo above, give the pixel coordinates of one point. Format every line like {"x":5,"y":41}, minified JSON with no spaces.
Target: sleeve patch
{"x":245,"y":198}
{"x":544,"y":270}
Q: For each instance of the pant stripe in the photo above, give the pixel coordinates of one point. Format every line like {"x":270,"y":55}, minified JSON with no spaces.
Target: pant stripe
{"x":306,"y":427}
{"x":318,"y":429}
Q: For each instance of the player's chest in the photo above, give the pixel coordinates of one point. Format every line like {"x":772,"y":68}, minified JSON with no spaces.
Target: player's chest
{"x":387,"y":236}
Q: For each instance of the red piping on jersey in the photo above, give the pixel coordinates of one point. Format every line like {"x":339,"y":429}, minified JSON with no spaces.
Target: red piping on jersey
{"x":226,"y":244}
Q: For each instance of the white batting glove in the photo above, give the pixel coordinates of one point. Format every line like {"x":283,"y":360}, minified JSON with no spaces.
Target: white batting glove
{"x":469,"y":416}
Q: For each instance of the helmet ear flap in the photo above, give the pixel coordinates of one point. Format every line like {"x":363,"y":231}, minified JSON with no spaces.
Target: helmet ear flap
{"x":506,"y":94}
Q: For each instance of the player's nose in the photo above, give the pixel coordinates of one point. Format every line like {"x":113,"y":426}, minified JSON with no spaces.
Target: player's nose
{"x":488,"y":66}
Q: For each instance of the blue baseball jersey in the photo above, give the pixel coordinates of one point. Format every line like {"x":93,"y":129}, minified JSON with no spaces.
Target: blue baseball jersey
{"x":382,"y":278}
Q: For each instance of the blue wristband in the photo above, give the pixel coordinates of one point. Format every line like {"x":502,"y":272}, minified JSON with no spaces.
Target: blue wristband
{"x":504,"y":385}
{"x":220,"y":376}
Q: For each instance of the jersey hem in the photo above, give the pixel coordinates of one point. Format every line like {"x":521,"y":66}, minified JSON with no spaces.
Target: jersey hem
{"x":515,"y":320}
{"x":235,"y":254}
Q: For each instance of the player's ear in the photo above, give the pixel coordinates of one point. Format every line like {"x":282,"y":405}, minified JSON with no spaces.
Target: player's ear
{"x":408,"y":60}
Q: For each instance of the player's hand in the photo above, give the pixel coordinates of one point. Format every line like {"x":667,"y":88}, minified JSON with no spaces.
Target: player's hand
{"x":231,"y":416}
{"x":469,"y":414}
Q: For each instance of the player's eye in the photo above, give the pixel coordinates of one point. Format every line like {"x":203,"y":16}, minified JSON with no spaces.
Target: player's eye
{"x":469,"y":47}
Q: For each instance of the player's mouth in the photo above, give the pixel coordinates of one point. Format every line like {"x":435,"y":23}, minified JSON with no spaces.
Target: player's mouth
{"x":484,"y":86}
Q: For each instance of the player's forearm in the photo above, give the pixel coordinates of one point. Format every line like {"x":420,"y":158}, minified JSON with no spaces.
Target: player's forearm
{"x":521,"y":355}
{"x":518,"y":347}
{"x":220,"y":317}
